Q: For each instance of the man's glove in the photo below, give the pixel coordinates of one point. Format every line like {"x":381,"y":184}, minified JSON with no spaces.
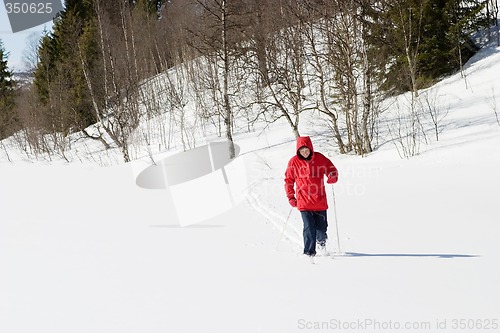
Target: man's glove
{"x":332,"y":177}
{"x":293,"y":202}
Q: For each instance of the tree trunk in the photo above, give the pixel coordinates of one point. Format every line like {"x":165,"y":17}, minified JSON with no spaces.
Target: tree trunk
{"x":227,"y":107}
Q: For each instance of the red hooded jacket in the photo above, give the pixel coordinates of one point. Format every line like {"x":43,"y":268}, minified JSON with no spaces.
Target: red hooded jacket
{"x":304,"y":178}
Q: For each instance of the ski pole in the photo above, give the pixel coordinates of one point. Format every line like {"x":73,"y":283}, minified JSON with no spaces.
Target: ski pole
{"x":284,"y":227}
{"x":336,"y":219}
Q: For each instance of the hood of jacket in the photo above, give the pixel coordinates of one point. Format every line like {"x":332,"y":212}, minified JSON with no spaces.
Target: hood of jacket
{"x":304,"y":141}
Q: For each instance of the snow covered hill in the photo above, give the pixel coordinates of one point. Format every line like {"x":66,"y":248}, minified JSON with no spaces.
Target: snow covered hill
{"x":85,"y":249}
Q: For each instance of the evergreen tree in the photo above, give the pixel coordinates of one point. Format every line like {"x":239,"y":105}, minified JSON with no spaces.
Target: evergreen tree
{"x":465,"y":17}
{"x":59,"y":77}
{"x":424,"y":40}
{"x":8,"y":119}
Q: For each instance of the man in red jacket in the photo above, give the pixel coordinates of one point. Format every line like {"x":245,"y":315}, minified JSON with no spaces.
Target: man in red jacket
{"x":305,"y":189}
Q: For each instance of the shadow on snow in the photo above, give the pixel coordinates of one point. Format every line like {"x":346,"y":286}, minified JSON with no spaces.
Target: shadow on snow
{"x":413,"y":255}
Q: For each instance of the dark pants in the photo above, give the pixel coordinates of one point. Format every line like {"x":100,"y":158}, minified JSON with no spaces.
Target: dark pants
{"x":315,"y":225}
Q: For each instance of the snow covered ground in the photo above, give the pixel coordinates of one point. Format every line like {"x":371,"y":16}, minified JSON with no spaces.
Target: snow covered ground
{"x":84,"y":249}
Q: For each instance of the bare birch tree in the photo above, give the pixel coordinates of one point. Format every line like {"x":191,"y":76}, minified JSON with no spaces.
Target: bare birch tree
{"x":217,"y":39}
{"x":285,"y":79}
{"x":435,"y":110}
{"x":30,"y":53}
{"x":114,"y":86}
{"x":341,"y":59}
